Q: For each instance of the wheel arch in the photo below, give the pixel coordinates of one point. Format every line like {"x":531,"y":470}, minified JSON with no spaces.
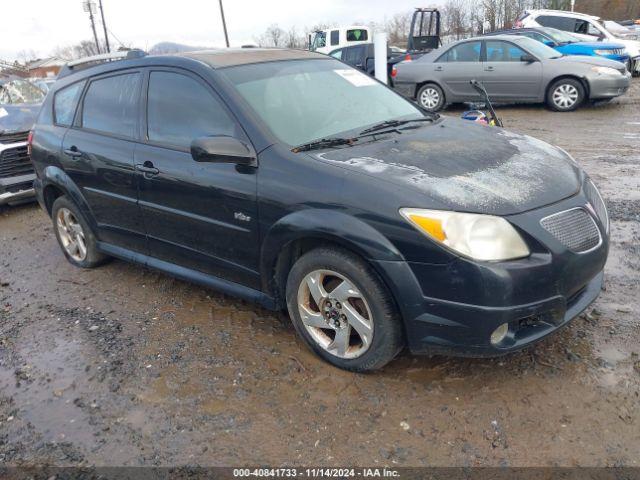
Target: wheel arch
{"x":55,"y":183}
{"x":302,"y":231}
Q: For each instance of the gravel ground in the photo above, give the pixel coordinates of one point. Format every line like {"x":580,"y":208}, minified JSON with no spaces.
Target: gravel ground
{"x":124,"y":366}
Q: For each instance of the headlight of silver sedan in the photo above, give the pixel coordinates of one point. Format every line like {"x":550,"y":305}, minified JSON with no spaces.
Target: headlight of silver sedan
{"x":480,"y":237}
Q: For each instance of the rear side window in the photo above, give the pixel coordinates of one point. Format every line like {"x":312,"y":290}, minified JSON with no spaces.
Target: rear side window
{"x":110,"y":105}
{"x":181,"y":109}
{"x":561,"y":23}
{"x":64,"y":104}
{"x":357,"y":35}
{"x":465,"y":52}
{"x":337,"y":54}
{"x":335,"y":37}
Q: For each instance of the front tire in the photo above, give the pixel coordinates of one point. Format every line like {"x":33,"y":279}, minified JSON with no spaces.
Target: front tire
{"x":431,"y":97}
{"x":343,"y":311}
{"x":565,"y":95}
{"x":77,"y":241}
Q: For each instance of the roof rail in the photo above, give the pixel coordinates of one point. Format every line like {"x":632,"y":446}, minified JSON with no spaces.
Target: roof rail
{"x":94,"y":60}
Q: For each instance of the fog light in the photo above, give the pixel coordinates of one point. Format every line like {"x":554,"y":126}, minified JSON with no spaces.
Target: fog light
{"x":499,"y":333}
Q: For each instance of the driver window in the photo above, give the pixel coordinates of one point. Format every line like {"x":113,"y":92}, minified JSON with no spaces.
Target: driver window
{"x":498,"y":51}
{"x":180,"y":109}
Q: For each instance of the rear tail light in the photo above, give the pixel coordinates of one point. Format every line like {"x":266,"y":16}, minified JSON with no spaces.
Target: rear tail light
{"x":407,"y":57}
{"x":29,"y":142}
{"x":394,"y":72}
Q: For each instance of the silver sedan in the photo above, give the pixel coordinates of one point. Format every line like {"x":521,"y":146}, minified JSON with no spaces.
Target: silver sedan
{"x":513,"y":69}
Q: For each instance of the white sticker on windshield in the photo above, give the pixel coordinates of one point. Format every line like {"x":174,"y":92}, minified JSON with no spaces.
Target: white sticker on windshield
{"x":3,"y":112}
{"x":355,"y":77}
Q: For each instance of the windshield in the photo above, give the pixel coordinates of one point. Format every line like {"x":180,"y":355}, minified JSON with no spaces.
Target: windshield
{"x":319,"y":41}
{"x":20,"y":91}
{"x":559,"y":36}
{"x":306,"y":100}
{"x":615,"y":27}
{"x":538,"y":49}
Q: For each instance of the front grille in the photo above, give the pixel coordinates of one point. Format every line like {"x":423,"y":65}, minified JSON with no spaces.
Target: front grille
{"x":574,"y":228}
{"x":14,"y":137}
{"x":617,"y":51}
{"x":595,"y":199}
{"x":15,"y":162}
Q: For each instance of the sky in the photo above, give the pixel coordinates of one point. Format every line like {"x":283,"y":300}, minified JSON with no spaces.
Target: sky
{"x":41,"y":25}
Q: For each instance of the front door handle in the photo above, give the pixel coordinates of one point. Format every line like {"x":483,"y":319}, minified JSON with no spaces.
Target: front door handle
{"x":147,"y":168}
{"x":488,"y":69}
{"x":73,"y":152}
{"x":439,"y":69}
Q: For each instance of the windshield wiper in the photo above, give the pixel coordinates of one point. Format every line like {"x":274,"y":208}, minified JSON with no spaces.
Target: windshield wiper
{"x":395,"y":123}
{"x":323,"y":143}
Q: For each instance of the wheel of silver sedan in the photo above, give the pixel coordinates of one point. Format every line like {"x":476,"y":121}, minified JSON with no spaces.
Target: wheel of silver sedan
{"x":565,"y":96}
{"x":335,"y":313}
{"x":430,"y":98}
{"x":71,"y":234}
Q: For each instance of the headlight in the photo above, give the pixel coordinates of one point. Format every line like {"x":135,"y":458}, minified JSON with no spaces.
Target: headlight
{"x":481,"y":237}
{"x":606,"y":70}
{"x":602,"y":52}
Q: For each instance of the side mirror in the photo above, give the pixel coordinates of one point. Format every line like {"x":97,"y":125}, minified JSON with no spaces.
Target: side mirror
{"x":222,"y":149}
{"x":549,"y":43}
{"x":528,"y":58}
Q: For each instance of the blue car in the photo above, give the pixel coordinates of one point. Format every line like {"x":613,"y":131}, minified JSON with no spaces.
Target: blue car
{"x":568,"y":44}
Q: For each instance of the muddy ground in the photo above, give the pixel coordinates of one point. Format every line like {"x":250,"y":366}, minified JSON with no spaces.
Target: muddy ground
{"x":124,"y":366}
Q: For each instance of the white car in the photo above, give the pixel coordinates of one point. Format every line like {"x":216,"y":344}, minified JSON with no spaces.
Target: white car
{"x":585,"y":26}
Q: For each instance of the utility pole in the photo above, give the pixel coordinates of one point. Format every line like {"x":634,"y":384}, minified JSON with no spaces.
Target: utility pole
{"x":90,"y":6}
{"x":104,"y":26}
{"x":224,"y":24}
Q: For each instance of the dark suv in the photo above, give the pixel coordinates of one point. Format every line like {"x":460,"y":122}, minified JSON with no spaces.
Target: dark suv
{"x":291,"y":179}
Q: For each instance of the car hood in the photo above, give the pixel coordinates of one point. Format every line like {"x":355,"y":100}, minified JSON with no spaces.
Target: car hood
{"x":595,"y":61}
{"x":598,"y":45}
{"x":467,"y":167}
{"x":18,"y":118}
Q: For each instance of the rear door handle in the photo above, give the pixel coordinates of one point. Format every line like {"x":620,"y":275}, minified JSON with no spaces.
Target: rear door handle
{"x":488,"y":69}
{"x":439,"y":69}
{"x":147,"y":168}
{"x":73,"y":152}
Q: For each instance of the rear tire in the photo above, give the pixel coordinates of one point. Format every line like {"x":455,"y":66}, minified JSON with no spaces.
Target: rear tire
{"x":350,"y":319}
{"x":431,"y":97}
{"x":565,"y":95}
{"x":77,"y":241}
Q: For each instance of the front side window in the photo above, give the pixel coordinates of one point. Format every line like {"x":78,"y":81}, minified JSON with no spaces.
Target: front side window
{"x":464,"y":52}
{"x":337,"y":54}
{"x":335,"y":37}
{"x":357,"y":35}
{"x":180,"y":109}
{"x":305,"y":100}
{"x":110,"y":105}
{"x":64,"y":103}
{"x":499,"y":51}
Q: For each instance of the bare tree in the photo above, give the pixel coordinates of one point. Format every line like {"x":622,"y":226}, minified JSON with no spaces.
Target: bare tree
{"x":293,"y":40}
{"x":273,"y":36}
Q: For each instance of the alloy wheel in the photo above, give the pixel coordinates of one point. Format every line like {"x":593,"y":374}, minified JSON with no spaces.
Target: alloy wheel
{"x":335,"y":313}
{"x":430,"y":98}
{"x":71,"y":234}
{"x":565,"y":96}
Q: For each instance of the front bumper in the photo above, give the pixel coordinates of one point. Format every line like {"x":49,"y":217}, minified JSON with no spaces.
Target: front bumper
{"x":17,"y":189}
{"x":453,"y":308}
{"x":608,"y":86}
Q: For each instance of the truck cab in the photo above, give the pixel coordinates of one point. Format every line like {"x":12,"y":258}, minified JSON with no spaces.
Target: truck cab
{"x":326,"y":41}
